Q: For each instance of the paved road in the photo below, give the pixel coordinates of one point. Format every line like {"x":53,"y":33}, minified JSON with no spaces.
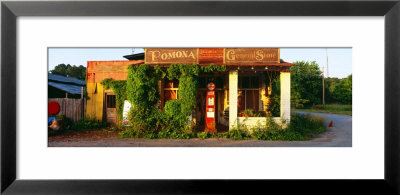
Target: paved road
{"x":340,"y":135}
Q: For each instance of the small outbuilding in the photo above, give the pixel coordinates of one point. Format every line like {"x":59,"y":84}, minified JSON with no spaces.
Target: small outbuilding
{"x":65,"y":87}
{"x":66,"y":97}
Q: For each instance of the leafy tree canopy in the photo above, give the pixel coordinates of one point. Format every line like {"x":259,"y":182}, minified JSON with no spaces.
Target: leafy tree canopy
{"x":67,"y":70}
{"x":343,"y":91}
{"x":306,"y":84}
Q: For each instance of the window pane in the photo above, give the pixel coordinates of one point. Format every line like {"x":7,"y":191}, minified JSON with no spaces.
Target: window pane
{"x":254,"y":82}
{"x":245,"y":82}
{"x":168,"y":83}
{"x":219,"y":82}
{"x":111,"y":102}
{"x":241,"y":102}
{"x":170,"y":95}
{"x":252,"y":99}
{"x":176,"y":83}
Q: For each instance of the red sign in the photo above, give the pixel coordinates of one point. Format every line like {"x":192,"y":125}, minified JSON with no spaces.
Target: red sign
{"x":54,"y":108}
{"x":211,"y":86}
{"x":209,"y":56}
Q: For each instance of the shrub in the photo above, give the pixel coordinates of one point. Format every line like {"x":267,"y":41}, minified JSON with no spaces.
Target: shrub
{"x":307,"y":124}
{"x":173,"y":108}
{"x":207,"y":134}
{"x":275,"y":105}
{"x":66,"y":122}
{"x":301,"y":127}
{"x":86,"y":123}
{"x":82,"y":124}
{"x":147,"y":119}
{"x":202,"y":135}
{"x":238,"y":134}
{"x":131,"y":133}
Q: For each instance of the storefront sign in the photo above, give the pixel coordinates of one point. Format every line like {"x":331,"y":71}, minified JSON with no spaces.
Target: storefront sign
{"x":249,"y":56}
{"x":209,"y":56}
{"x":171,"y":55}
{"x":211,"y":86}
{"x":217,"y":56}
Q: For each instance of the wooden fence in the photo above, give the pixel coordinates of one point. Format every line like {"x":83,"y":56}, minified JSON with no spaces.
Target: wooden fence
{"x":71,"y":108}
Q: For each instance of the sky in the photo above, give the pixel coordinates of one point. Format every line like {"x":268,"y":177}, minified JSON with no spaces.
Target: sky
{"x":339,"y":59}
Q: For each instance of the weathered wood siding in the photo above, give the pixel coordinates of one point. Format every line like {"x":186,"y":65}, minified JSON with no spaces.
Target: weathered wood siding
{"x":97,"y":71}
{"x":71,"y":108}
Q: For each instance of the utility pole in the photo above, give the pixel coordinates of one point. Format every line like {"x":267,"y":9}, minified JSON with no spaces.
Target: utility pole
{"x":323,"y":88}
{"x":327,"y":67}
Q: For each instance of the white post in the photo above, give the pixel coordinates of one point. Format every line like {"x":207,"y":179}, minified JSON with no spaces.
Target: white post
{"x":233,"y":98}
{"x":285,"y":96}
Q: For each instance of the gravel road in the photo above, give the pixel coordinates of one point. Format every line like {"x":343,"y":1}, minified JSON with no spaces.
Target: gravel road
{"x":340,"y":135}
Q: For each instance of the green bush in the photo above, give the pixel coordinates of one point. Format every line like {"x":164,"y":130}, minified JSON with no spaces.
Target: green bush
{"x":301,"y":127}
{"x":202,"y":135}
{"x":280,"y":135}
{"x":173,"y":108}
{"x":86,"y":123}
{"x":207,"y":134}
{"x":82,"y":124}
{"x":147,"y":120}
{"x":307,"y":125}
{"x":238,"y":134}
{"x":66,"y":122}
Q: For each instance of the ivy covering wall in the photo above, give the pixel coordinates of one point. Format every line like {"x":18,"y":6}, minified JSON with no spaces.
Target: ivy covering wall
{"x":141,"y":89}
{"x":119,"y":89}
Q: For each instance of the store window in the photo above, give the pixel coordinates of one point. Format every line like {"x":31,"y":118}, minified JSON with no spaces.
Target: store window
{"x":171,"y":89}
{"x":248,"y":93}
{"x":111,"y":101}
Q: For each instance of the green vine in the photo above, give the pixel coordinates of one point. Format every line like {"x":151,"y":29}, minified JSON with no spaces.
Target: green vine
{"x":181,"y":108}
{"x":142,"y":83}
{"x":141,"y":89}
{"x":188,"y":77}
{"x":212,"y":68}
{"x":119,"y":89}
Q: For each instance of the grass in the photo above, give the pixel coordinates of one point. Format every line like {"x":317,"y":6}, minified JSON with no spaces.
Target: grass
{"x":331,"y":109}
{"x":300,"y":127}
{"x":68,"y":126}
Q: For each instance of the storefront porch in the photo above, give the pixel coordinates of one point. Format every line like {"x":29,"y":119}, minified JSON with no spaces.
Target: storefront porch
{"x":235,"y":119}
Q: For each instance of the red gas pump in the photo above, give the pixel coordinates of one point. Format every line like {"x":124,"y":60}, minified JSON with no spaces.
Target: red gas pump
{"x":210,"y":108}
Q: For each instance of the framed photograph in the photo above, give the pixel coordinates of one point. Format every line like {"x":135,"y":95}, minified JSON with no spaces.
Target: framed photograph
{"x":204,"y":56}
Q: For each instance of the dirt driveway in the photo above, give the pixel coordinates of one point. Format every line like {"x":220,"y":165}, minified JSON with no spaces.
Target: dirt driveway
{"x":340,"y":135}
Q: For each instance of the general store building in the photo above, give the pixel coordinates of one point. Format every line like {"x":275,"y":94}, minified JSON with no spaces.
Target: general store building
{"x":244,"y":85}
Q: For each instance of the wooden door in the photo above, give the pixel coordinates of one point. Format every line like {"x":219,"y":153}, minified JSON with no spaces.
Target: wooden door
{"x":111,"y":110}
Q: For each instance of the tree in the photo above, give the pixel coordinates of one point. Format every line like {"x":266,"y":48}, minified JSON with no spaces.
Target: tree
{"x":60,"y":69}
{"x":343,"y":91}
{"x":73,"y":71}
{"x":306,"y":84}
{"x":330,"y":86}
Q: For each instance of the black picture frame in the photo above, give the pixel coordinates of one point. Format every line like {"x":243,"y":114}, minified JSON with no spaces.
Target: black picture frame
{"x":10,"y":10}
